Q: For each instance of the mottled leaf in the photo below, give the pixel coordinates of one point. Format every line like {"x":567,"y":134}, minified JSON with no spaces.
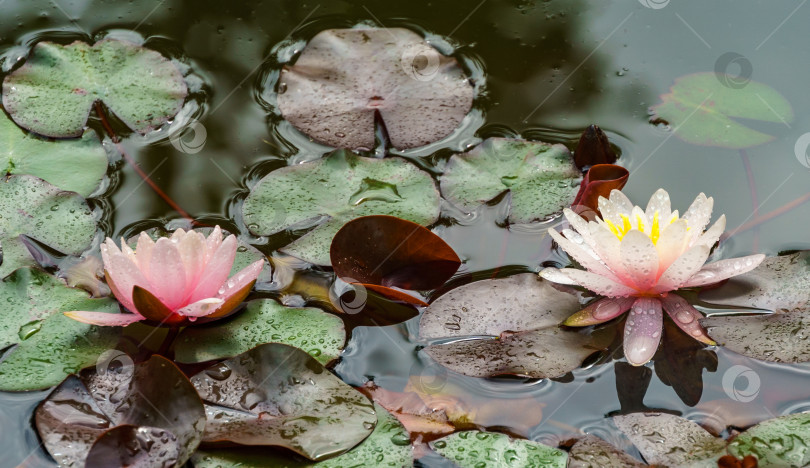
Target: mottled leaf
{"x":782,"y":441}
{"x":264,"y":320}
{"x":53,"y":93}
{"x":593,"y":452}
{"x":774,"y":337}
{"x":470,"y":449}
{"x":344,"y":78}
{"x":541,"y":178}
{"x":332,"y":191}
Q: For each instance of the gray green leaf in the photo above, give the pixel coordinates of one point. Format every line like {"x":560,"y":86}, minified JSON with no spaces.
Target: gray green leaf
{"x":477,"y":449}
{"x":782,"y":441}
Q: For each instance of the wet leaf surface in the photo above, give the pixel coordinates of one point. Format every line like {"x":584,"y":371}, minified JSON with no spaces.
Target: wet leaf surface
{"x":60,"y":220}
{"x":593,"y":452}
{"x":782,"y":441}
{"x":345,"y":77}
{"x":278,"y":395}
{"x":53,"y":93}
{"x":72,"y":165}
{"x":542,"y":179}
{"x":384,"y":252}
{"x":118,"y":411}
{"x":319,"y":333}
{"x":327,"y":193}
{"x":704,"y":110}
{"x":471,"y":448}
{"x":48,"y":345}
{"x":388,"y":446}
{"x":775,"y":337}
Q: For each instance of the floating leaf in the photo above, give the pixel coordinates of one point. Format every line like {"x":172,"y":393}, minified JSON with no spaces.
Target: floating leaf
{"x":593,"y":452}
{"x":513,"y":326}
{"x":264,"y":320}
{"x":541,"y":178}
{"x":389,"y":445}
{"x":278,"y":395}
{"x":470,"y":449}
{"x":333,"y":191}
{"x":782,"y":441}
{"x":120,"y":414}
{"x":773,"y":337}
{"x":72,"y":165}
{"x":668,"y":440}
{"x":779,"y":284}
{"x":701,"y":109}
{"x":593,"y":148}
{"x":344,"y":78}
{"x":49,"y":345}
{"x":30,"y":206}
{"x":384,"y":252}
{"x":599,"y":181}
{"x":53,"y":93}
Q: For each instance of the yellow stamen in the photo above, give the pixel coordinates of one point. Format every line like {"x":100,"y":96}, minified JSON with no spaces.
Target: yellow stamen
{"x":655,"y":230}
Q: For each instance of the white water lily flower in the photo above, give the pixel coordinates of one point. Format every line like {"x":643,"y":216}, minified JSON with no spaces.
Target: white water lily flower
{"x":636,"y":257}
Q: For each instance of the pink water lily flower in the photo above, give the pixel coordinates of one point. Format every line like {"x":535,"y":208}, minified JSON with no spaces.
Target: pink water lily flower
{"x":635,"y":258}
{"x":173,"y":281}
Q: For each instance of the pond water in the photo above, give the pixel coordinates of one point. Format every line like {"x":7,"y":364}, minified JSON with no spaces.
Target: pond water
{"x":546,"y":70}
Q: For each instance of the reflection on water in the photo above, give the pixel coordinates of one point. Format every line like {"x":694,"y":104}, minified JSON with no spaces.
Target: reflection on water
{"x":546,"y":70}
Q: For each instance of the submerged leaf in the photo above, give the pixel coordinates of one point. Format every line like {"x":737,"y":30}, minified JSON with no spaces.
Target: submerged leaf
{"x":345,"y":77}
{"x":120,"y":414}
{"x":332,"y":191}
{"x":264,"y":320}
{"x":53,"y":93}
{"x":30,"y":206}
{"x":470,"y":449}
{"x":72,"y":165}
{"x":541,"y":178}
{"x":278,"y":395}
{"x":701,"y":108}
{"x":49,"y":345}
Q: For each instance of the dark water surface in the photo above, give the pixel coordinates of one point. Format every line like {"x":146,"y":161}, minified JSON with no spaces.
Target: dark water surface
{"x":546,"y":70}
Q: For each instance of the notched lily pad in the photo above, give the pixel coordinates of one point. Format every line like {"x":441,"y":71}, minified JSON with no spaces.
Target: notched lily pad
{"x":319,"y":333}
{"x":469,"y":449}
{"x":701,"y":108}
{"x":72,"y":165}
{"x":48,"y":345}
{"x":32,"y":207}
{"x":541,"y":178}
{"x":120,"y":414}
{"x":508,"y":326}
{"x":330,"y":192}
{"x":344,"y":78}
{"x":53,"y":93}
{"x":383,"y":252}
{"x":278,"y":395}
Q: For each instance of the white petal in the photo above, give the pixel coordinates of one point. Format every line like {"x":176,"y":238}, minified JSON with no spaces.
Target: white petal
{"x":584,"y":258}
{"x":555,"y":275}
{"x":201,"y":308}
{"x":659,"y":203}
{"x":598,"y":284}
{"x":579,"y":224}
{"x":683,"y":268}
{"x":699,"y":214}
{"x":672,"y":242}
{"x":607,"y":247}
{"x":723,"y":269}
{"x":640,"y":259}
{"x":710,"y":237}
{"x":642,"y":331}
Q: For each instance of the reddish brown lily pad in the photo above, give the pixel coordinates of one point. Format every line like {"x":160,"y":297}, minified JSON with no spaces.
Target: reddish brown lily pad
{"x":344,"y":78}
{"x":384,"y":252}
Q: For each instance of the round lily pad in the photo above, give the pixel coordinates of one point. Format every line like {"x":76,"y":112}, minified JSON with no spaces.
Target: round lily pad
{"x":49,"y":345}
{"x":332,"y":191}
{"x":346,"y":77}
{"x":474,"y":449}
{"x":702,"y":110}
{"x":319,"y":333}
{"x":72,"y":165}
{"x":53,"y":93}
{"x":541,"y":178}
{"x":32,"y":207}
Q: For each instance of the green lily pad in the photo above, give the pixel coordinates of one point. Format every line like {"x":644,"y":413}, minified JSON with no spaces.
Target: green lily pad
{"x":541,"y":178}
{"x":701,"y":110}
{"x":53,"y":93}
{"x":72,"y":165}
{"x":478,"y":449}
{"x":332,"y":191}
{"x":319,"y":333}
{"x":32,"y":207}
{"x":389,"y":445}
{"x":592,"y":452}
{"x":49,"y":344}
{"x":782,"y":441}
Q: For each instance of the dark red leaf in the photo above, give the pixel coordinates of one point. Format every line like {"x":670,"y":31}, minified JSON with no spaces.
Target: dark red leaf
{"x":593,"y":148}
{"x":599,"y":181}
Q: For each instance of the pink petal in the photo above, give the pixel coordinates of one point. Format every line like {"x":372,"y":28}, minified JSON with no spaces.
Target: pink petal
{"x":580,"y":255}
{"x":556,"y":276}
{"x":192,"y":252}
{"x":241,"y":279}
{"x":642,"y":332}
{"x":216,"y":271}
{"x":608,"y":247}
{"x":600,"y":311}
{"x":723,"y":269}
{"x":686,"y":317}
{"x":123,"y":273}
{"x":167,"y":275}
{"x":671,"y":244}
{"x":598,"y":284}
{"x":640,"y":259}
{"x":659,"y":203}
{"x":212,"y":243}
{"x":104,"y":318}
{"x":201,"y":308}
{"x":144,"y":251}
{"x":682,"y":269}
